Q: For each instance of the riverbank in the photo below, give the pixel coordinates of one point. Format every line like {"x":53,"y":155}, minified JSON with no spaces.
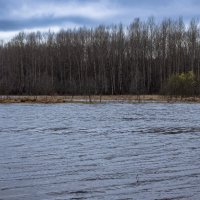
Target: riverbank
{"x":96,"y":99}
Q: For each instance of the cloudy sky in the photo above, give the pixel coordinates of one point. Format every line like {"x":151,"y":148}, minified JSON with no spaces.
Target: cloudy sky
{"x":32,"y":15}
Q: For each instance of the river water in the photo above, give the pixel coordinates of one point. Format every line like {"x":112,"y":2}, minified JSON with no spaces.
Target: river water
{"x":101,"y":151}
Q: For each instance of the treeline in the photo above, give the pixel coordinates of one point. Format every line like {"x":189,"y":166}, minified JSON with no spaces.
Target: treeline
{"x":137,"y":59}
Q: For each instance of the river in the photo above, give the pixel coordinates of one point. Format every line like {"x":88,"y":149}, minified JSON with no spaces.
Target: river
{"x":100,"y":151}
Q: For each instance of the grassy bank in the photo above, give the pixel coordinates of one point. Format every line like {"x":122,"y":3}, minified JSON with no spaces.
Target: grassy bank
{"x":96,"y":99}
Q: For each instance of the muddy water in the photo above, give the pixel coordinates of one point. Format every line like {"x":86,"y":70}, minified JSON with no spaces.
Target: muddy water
{"x":103,"y":151}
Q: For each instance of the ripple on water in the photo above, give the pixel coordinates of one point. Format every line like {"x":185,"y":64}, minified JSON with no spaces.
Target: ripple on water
{"x":102,"y":151}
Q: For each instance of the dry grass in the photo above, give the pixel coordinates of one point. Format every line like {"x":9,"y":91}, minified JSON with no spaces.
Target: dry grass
{"x":95,"y":99}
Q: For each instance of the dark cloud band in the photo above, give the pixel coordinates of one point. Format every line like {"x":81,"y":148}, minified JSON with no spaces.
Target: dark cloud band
{"x":14,"y":24}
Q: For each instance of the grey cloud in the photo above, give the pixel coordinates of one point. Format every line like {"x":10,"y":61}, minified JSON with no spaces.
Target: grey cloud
{"x":128,"y":10}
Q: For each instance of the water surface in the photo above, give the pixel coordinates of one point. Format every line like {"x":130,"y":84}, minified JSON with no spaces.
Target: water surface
{"x":103,"y":151}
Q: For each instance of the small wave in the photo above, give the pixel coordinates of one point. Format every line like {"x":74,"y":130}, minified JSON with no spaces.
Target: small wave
{"x":173,"y":130}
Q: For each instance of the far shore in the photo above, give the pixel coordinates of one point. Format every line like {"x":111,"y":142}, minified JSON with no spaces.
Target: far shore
{"x":97,"y":99}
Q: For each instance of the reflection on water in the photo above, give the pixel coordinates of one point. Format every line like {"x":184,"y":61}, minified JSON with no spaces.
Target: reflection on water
{"x":103,"y":151}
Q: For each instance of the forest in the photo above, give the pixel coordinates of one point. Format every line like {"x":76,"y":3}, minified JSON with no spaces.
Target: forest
{"x":137,"y":59}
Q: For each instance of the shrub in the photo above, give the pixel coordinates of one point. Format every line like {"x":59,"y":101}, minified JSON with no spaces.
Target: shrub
{"x":184,"y":84}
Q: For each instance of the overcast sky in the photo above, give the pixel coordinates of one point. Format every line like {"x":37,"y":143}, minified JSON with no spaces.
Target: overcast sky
{"x":32,"y":15}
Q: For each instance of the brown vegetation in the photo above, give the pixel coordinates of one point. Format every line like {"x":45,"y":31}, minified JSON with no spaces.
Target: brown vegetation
{"x":97,"y":99}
